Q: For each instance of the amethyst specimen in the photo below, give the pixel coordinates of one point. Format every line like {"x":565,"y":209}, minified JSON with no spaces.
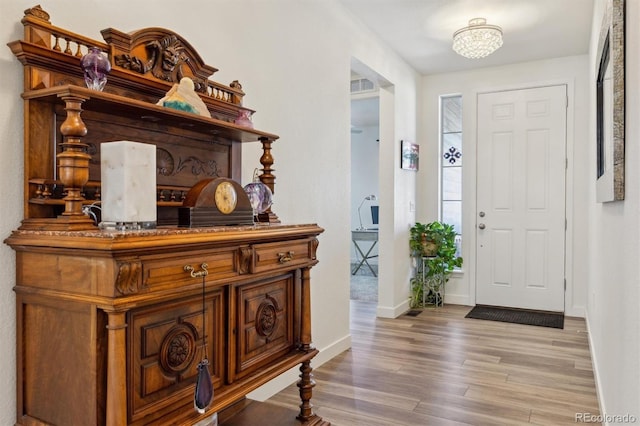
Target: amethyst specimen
{"x":96,"y":66}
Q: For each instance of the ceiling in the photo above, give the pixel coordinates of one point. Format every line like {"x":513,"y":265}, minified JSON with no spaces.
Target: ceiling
{"x":421,"y":32}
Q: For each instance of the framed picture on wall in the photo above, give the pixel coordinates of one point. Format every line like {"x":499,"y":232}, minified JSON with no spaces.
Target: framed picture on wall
{"x":409,"y":155}
{"x":610,"y":100}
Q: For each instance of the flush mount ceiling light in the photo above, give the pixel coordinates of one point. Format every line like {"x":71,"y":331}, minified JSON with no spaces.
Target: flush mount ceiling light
{"x":478,"y":39}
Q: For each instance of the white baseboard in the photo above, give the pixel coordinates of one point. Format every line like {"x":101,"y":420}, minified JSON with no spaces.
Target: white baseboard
{"x":329,"y":352}
{"x":392,"y":311}
{"x":457,"y":299}
{"x":575,"y":311}
{"x":594,"y":367}
{"x":463,"y":299}
{"x":271,"y":388}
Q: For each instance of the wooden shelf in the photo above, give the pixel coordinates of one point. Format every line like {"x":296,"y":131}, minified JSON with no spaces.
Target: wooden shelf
{"x":60,"y":202}
{"x":245,"y":413}
{"x":117,"y":105}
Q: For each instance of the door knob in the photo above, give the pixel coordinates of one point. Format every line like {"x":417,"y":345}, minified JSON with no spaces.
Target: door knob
{"x":481,"y":226}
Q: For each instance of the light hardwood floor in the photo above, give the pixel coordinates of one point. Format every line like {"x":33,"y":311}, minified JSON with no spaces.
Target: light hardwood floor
{"x":441,"y":369}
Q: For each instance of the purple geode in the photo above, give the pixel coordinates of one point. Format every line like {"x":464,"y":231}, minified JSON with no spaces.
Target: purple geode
{"x":96,"y":66}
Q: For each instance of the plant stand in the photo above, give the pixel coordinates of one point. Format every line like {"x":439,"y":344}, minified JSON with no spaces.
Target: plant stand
{"x":433,"y":285}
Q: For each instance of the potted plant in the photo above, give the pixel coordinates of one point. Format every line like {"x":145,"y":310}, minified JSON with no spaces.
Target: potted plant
{"x":434,"y":247}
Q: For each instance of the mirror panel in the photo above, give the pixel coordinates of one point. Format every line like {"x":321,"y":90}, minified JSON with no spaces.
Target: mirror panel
{"x":610,"y":104}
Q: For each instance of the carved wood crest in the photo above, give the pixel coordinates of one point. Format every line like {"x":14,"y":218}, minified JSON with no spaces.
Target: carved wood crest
{"x":162,"y":53}
{"x":38,"y":12}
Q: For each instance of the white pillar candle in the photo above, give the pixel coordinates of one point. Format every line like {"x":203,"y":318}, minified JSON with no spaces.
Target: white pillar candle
{"x":128,"y":173}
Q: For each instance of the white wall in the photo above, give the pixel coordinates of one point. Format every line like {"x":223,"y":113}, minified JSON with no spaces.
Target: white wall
{"x":572,"y":71}
{"x":293,"y":59}
{"x":613,"y":297}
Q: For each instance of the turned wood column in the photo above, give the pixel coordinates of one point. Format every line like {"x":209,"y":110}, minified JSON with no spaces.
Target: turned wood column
{"x":305,"y":311}
{"x":73,"y":162}
{"x":267,"y":178}
{"x":116,"y":370}
{"x":267,"y":161}
{"x":306,"y":382}
{"x":306,"y":385}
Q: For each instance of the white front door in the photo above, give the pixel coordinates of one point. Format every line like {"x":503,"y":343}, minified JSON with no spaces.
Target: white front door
{"x":520,"y":222}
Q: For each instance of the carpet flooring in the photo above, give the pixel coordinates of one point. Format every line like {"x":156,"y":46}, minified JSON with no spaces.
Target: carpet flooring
{"x":517,"y":316}
{"x":364,"y":285}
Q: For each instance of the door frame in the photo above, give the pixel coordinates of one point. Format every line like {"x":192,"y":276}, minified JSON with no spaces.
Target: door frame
{"x":387,"y":306}
{"x":471,"y":219}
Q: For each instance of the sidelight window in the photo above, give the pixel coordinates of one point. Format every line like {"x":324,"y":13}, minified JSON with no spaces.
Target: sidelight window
{"x":451,"y":164}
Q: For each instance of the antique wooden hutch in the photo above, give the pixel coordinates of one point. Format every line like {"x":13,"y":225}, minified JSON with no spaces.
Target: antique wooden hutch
{"x":110,"y":322}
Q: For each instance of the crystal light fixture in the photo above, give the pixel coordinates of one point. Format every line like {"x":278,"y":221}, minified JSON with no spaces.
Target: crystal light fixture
{"x":478,"y":39}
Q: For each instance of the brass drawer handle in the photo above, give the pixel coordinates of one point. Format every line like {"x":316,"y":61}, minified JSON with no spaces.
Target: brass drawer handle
{"x":285,"y":257}
{"x":203,"y":273}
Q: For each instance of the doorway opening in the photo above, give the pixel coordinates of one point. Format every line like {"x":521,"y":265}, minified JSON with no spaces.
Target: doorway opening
{"x":372,"y":148}
{"x":365,"y":137}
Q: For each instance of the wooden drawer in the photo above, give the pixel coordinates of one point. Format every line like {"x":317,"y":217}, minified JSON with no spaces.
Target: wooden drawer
{"x":165,"y":343}
{"x":273,"y":256}
{"x":166,"y":272}
{"x":264,"y":323}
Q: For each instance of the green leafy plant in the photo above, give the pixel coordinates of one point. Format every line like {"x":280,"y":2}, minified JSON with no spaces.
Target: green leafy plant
{"x":434,"y":247}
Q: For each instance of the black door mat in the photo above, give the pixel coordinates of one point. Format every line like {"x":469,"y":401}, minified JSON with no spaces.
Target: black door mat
{"x":518,"y":316}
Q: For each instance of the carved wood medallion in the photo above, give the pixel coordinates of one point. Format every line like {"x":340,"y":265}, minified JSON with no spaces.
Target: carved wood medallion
{"x":178,"y":349}
{"x":266,"y":317}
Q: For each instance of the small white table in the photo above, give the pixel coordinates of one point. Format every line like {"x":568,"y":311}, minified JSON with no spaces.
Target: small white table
{"x":365,"y":235}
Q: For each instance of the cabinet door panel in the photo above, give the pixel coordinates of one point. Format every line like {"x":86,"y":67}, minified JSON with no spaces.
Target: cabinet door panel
{"x":166,"y":343}
{"x":264,"y":328}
